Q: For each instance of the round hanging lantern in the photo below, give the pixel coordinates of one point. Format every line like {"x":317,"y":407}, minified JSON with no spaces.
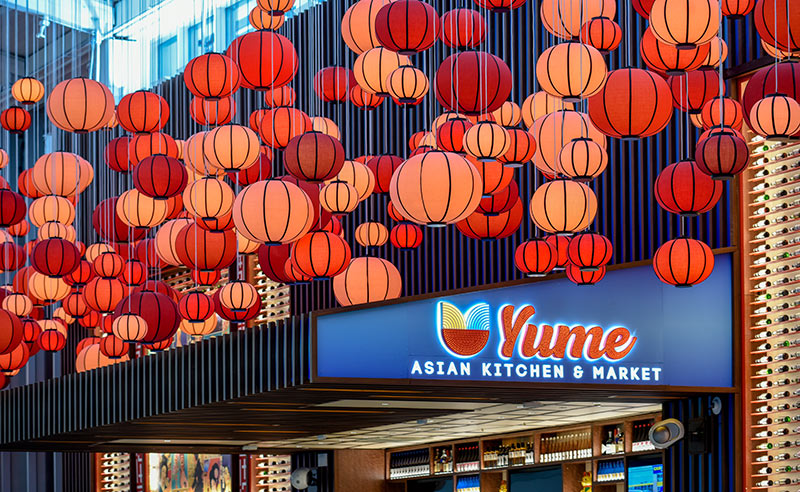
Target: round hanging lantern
{"x":142,"y":112}
{"x":572,"y":71}
{"x":159,"y":312}
{"x":74,"y":305}
{"x":737,"y":9}
{"x":313,"y":157}
{"x":326,"y":126}
{"x":30,"y":332}
{"x":778,"y":23}
{"x":129,"y":327}
{"x":238,"y":296}
{"x":436,"y":188}
{"x":372,"y":68}
{"x":212,"y":112}
{"x":497,"y":226}
{"x":553,"y":131}
{"x":521,"y":148}
{"x":116,"y":155}
{"x":223,"y":223}
{"x":589,"y":251}
{"x":257,"y":172}
{"x":561,"y":245}
{"x":20,"y":229}
{"x":206,"y":279}
{"x":278,"y":126}
{"x":204,"y":250}
{"x":140,"y":211}
{"x":47,"y":288}
{"x":691,"y":91}
{"x":17,"y":358}
{"x":717,"y":54}
{"x":55,"y":257}
{"x":500,"y":201}
{"x":266,"y":59}
{"x":363,"y":99}
{"x":147,"y":144}
{"x":450,"y":135}
{"x":235,"y":316}
{"x":110,"y":226}
{"x":407,"y":85}
{"x":472,"y":82}
{"x":416,"y":139}
{"x":667,"y":58}
{"x":80,"y":105}
{"x":279,"y":97}
{"x":312,"y":191}
{"x":90,"y":358}
{"x":535,"y":258}
{"x":158,"y":286}
{"x":273,"y":212}
{"x":508,"y":115}
{"x":500,"y":6}
{"x":358,"y":25}
{"x":407,"y":26}
{"x":383,"y":167}
{"x":722,"y":156}
{"x":97,"y":249}
{"x":272,"y":260}
{"x":486,"y":141}
{"x":775,"y":116}
{"x":276,"y":7}
{"x":199,"y":328}
{"x":195,"y":158}
{"x":208,"y":198}
{"x":582,"y":159}
{"x":12,"y":257}
{"x":12,"y":208}
{"x":11,"y":334}
{"x":27,"y":90}
{"x":681,"y":188}
{"x":338,"y":197}
{"x":108,"y":265}
{"x":633,"y":104}
{"x":601,"y":33}
{"x":683,"y":262}
{"x":166,"y":240}
{"x":160,"y":177}
{"x":722,"y":111}
{"x":564,"y":18}
{"x":81,"y":275}
{"x":52,"y":340}
{"x":103,"y":294}
{"x":134,"y":273}
{"x":367,"y":280}
{"x":25,"y":184}
{"x":196,"y":307}
{"x":371,"y":234}
{"x":320,"y":254}
{"x":58,"y":173}
{"x":580,"y":277}
{"x":113,"y":347}
{"x":211,"y":76}
{"x":332,"y":83}
{"x":261,"y":19}
{"x":406,"y":236}
{"x":786,"y":76}
{"x":335,"y":226}
{"x":685,"y":23}
{"x":540,"y":104}
{"x":463,"y":28}
{"x":563,"y":207}
{"x":15,"y":119}
{"x":358,"y":175}
{"x":231,"y":147}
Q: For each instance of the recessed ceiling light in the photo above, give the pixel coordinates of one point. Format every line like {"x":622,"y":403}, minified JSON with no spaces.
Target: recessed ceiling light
{"x":384,"y":404}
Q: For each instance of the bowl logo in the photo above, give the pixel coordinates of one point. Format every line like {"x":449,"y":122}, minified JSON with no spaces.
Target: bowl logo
{"x":464,"y":334}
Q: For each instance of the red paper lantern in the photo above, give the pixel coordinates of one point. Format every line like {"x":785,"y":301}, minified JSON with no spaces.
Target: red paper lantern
{"x":81,"y":275}
{"x":196,"y":307}
{"x":601,"y":33}
{"x":11,"y":332}
{"x":133,"y":273}
{"x":722,"y":156}
{"x":159,"y":312}
{"x":12,"y":208}
{"x":160,"y":177}
{"x":500,"y":201}
{"x":681,"y":188}
{"x":16,"y":359}
{"x":363,"y":99}
{"x":272,"y":260}
{"x":778,"y":23}
{"x":683,"y":262}
{"x":500,"y":6}
{"x":463,"y":28}
{"x":521,"y":148}
{"x":74,"y":305}
{"x":159,"y":346}
{"x":212,"y":112}
{"x":535,"y":258}
{"x":407,"y":26}
{"x":450,"y":135}
{"x":279,"y":97}
{"x":722,"y":111}
{"x":487,"y":227}
{"x":737,"y":9}
{"x":472,"y":82}
{"x":205,"y":250}
{"x":211,"y":76}
{"x":383,"y":167}
{"x":108,"y":265}
{"x":332,"y":83}
{"x":589,"y":251}
{"x":103,"y":294}
{"x":278,"y":126}
{"x":366,"y":280}
{"x":142,"y":112}
{"x":12,"y":256}
{"x":113,"y":347}
{"x":80,"y":105}
{"x":321,"y":254}
{"x":406,"y":236}
{"x":235,"y":316}
{"x":116,"y":155}
{"x":52,"y":340}
{"x":763,"y":83}
{"x":15,"y":119}
{"x":313,"y":157}
{"x":666,"y":58}
{"x":274,"y":211}
{"x":266,"y":59}
{"x":691,"y":91}
{"x":55,"y":257}
{"x":580,"y":277}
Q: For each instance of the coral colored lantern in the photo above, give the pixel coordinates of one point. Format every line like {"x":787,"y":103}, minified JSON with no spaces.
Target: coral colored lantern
{"x":436,"y":188}
{"x":238,"y":296}
{"x":564,"y":18}
{"x":321,"y":254}
{"x":722,"y":156}
{"x":231,"y":147}
{"x":332,"y":83}
{"x":407,"y":26}
{"x":266,"y":59}
{"x":235,"y":316}
{"x":691,"y":91}
{"x":406,"y":236}
{"x":58,"y":173}
{"x":212,"y":112}
{"x":372,"y":68}
{"x":358,"y":175}
{"x":554,"y":131}
{"x":27,"y":90}
{"x":81,"y":275}
{"x":683,"y":262}
{"x":47,"y":288}
{"x":582,"y":159}
{"x":211,"y":76}
{"x":80,"y":105}
{"x":338,"y":197}
{"x":486,"y":227}
{"x":15,"y":119}
{"x":737,"y":9}
{"x":601,"y":33}
{"x":535,"y":258}
{"x":142,"y":112}
{"x":196,"y":307}
{"x":159,"y":312}
{"x":521,"y":148}
{"x":463,"y":28}
{"x":140,"y":211}
{"x":160,"y":177}
{"x":540,"y":104}
{"x":685,"y":23}
{"x":279,"y":97}
{"x":273,"y":212}
{"x":358,"y":25}
{"x":313,"y":157}
{"x":20,"y":229}
{"x":486,"y":141}
{"x":666,"y":58}
{"x":407,"y":85}
{"x":717,"y":54}
{"x":681,"y":188}
{"x":580,"y":277}
{"x":204,"y":250}
{"x":103,"y":294}
{"x":778,"y":23}
{"x":108,"y":265}
{"x":17,"y":358}
{"x":113,"y":347}
{"x":203,"y":327}
{"x":276,"y":7}
{"x":116,"y":155}
{"x":208,"y":198}
{"x":55,"y":257}
{"x":785,"y":76}
{"x":129,"y":327}
{"x":571,"y":71}
{"x":260,"y":19}
{"x":147,"y":144}
{"x":279,"y":125}
{"x":371,"y":234}
{"x":563,"y":207}
{"x":589,"y":251}
{"x":12,"y":208}
{"x":472,"y":82}
{"x":633,"y":104}
{"x":722,"y":111}
{"x":775,"y":116}
{"x":11,"y":334}
{"x":363,"y":99}
{"x":367,"y":280}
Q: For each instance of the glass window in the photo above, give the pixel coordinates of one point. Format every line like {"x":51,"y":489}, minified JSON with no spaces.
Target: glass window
{"x":167,"y":58}
{"x":197,"y":46}
{"x":237,"y":20}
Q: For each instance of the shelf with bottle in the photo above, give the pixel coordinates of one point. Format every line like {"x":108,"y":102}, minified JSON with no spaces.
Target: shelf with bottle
{"x":467,"y":457}
{"x":640,"y":438}
{"x":468,"y":483}
{"x":271,"y":472}
{"x":565,"y":446}
{"x":113,"y":470}
{"x":609,"y":470}
{"x":508,"y":453}
{"x":443,"y":460}
{"x":406,"y":464}
{"x":613,"y":439}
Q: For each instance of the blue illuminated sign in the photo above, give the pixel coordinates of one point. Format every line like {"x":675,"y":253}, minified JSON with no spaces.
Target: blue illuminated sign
{"x":628,"y":329}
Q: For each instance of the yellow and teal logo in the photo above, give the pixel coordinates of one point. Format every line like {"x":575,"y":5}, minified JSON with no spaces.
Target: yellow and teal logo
{"x":464,"y":334}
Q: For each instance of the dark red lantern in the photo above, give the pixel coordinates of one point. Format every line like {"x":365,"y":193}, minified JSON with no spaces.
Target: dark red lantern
{"x":142,"y":112}
{"x":158,"y":310}
{"x":12,"y":208}
{"x":589,"y":251}
{"x":692,"y":90}
{"x":500,"y":6}
{"x":763,"y":83}
{"x":160,"y":176}
{"x":643,"y":7}
{"x":500,"y":201}
{"x":683,"y":262}
{"x":487,"y":227}
{"x":211,"y":76}
{"x":159,"y":346}
{"x":212,"y":112}
{"x":260,"y":171}
{"x":383,"y":166}
{"x":196,"y":307}
{"x":110,"y":227}
{"x":406,"y":236}
{"x":778,"y":23}
{"x":116,"y":155}
{"x":30,"y":331}
{"x":272,"y":260}
{"x":407,"y":26}
{"x":205,"y":250}
{"x":681,"y":188}
{"x":15,"y":119}
{"x":55,"y":257}
{"x":333,"y":83}
{"x":16,"y":359}
{"x":314,"y":157}
{"x":12,"y":256}
{"x":472,"y":82}
{"x":81,"y":275}
{"x":321,"y":254}
{"x":10,"y":331}
{"x":266,"y":59}
{"x":722,"y":155}
{"x":581,"y":277}
{"x":463,"y":28}
{"x":535,"y":258}
{"x":206,"y":279}
{"x":602,"y":34}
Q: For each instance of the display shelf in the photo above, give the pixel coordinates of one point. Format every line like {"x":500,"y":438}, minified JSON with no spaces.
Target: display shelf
{"x":112,"y":472}
{"x":270,"y":472}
